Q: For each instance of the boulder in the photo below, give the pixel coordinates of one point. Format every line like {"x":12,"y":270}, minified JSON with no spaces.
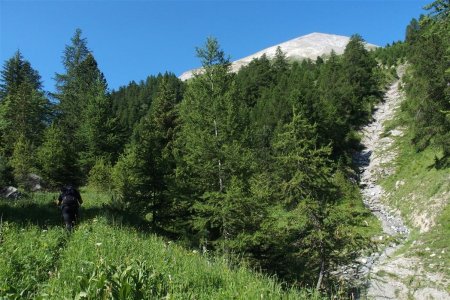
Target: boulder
{"x":9,"y":192}
{"x":33,"y":183}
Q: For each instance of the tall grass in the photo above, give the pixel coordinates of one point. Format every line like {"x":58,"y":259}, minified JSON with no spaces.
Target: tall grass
{"x":103,"y":259}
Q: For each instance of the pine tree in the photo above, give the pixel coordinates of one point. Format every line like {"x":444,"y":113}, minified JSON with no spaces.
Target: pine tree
{"x":360,"y":86}
{"x":56,"y":159}
{"x":96,"y":131}
{"x":309,"y":197}
{"x":15,"y":72}
{"x":22,"y":161}
{"x":143,"y":174}
{"x":427,"y":87}
{"x":24,"y":114}
{"x":211,"y":159}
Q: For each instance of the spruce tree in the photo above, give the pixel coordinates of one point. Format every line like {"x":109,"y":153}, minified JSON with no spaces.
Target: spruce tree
{"x":360,"y":85}
{"x":56,"y":159}
{"x":211,"y":159}
{"x":22,"y":161}
{"x":15,"y":72}
{"x":24,"y":114}
{"x":427,"y":88}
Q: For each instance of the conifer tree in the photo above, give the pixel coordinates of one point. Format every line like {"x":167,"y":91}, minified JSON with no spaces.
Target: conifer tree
{"x":211,"y":159}
{"x":56,"y":159}
{"x":143,"y":173}
{"x":16,"y":71}
{"x":360,"y":86}
{"x":309,"y":201}
{"x":24,"y":114}
{"x":427,"y":88}
{"x":22,"y":161}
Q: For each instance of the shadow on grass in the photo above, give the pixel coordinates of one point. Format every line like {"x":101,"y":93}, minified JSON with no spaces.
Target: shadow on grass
{"x":44,"y":215}
{"x":440,"y":163}
{"x":25,"y":212}
{"x":127,"y":218}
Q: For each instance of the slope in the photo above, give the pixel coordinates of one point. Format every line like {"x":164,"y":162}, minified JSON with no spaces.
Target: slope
{"x":103,"y":258}
{"x":400,"y":187}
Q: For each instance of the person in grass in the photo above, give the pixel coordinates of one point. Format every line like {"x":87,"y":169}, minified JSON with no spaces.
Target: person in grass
{"x":69,"y":200}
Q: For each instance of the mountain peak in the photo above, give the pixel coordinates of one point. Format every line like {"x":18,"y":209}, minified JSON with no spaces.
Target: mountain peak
{"x":308,"y":46}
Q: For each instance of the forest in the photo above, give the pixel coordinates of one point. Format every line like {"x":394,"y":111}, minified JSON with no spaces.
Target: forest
{"x":254,"y":165}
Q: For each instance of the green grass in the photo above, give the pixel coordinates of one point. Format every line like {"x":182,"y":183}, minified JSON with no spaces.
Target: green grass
{"x":421,"y":193}
{"x":103,"y":259}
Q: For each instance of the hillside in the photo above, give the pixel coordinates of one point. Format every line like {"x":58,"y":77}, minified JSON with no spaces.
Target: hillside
{"x":309,"y":46}
{"x":413,"y":260}
{"x":106,"y":259}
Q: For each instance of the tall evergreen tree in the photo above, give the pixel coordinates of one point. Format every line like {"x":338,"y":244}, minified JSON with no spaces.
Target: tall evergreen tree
{"x":427,"y":87}
{"x":16,"y":71}
{"x":70,"y":86}
{"x":360,"y":86}
{"x":143,"y":173}
{"x":95,"y":133}
{"x":85,"y":113}
{"x":24,"y":112}
{"x":22,"y":161}
{"x":24,"y":109}
{"x":212,"y":161}
{"x":56,"y":160}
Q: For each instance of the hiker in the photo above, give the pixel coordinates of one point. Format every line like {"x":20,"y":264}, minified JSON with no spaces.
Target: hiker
{"x":69,"y":200}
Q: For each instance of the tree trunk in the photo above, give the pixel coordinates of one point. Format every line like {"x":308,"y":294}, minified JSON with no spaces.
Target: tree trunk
{"x":322,"y":270}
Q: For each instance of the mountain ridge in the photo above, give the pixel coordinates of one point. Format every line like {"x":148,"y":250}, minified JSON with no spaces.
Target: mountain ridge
{"x":308,"y":46}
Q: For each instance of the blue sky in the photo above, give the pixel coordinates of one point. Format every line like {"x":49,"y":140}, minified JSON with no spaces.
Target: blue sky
{"x":136,"y":38}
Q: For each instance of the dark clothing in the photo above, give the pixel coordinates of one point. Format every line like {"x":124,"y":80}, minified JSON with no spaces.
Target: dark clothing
{"x":70,"y":216}
{"x":70,"y":196}
{"x":69,"y":200}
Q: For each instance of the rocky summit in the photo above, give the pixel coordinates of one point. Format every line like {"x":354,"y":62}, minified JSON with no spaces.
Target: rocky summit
{"x":309,"y":46}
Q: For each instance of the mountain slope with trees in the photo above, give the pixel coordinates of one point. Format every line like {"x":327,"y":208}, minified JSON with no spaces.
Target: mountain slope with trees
{"x":255,"y":164}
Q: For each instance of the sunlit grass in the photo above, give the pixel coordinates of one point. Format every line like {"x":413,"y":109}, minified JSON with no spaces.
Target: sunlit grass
{"x":103,"y":259}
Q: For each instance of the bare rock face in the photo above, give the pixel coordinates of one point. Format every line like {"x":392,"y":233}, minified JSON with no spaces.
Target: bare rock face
{"x":309,"y":46}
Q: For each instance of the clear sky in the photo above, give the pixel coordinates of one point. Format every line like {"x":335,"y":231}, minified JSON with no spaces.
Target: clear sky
{"x":136,"y":38}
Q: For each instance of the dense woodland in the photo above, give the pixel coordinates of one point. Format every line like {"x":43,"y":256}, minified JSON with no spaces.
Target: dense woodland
{"x":255,"y":164}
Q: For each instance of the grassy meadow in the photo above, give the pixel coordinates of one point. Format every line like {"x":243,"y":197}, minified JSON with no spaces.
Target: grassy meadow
{"x":105,"y":259}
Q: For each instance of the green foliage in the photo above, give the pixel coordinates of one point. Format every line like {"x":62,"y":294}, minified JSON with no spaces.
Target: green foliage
{"x":24,"y":110}
{"x":95,"y":132}
{"x":101,"y":259}
{"x":5,"y":172}
{"x":27,"y":265}
{"x":128,"y":177}
{"x":244,"y":164}
{"x":85,"y":109}
{"x":100,"y":175}
{"x":15,"y":72}
{"x":22,"y":161}
{"x":57,"y":159}
{"x":361,"y":88}
{"x":427,"y":82}
{"x":212,"y":163}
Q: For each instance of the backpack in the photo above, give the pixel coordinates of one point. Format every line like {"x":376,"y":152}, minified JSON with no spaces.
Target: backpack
{"x":69,"y":198}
